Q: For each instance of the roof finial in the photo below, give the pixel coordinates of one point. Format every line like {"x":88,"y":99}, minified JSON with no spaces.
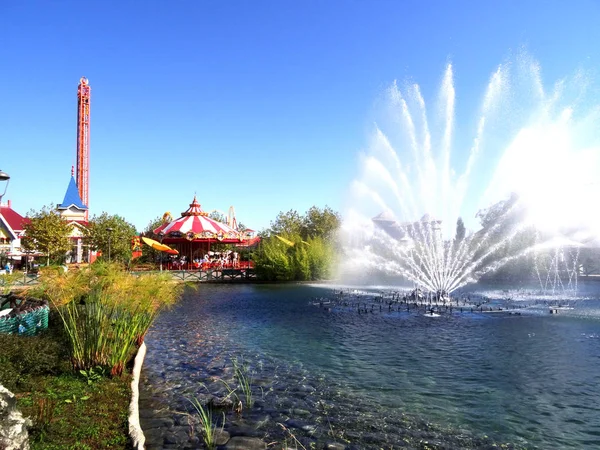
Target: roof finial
{"x":72,"y":171}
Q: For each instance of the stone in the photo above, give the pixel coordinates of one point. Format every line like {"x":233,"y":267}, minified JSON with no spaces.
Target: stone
{"x":221,"y":437}
{"x":334,"y":446}
{"x":13,"y":426}
{"x":245,"y":443}
{"x":295,"y":423}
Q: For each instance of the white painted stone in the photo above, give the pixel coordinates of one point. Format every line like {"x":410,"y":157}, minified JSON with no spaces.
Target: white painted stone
{"x":13,"y":426}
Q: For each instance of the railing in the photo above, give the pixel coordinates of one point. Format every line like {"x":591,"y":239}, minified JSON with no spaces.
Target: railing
{"x":26,"y":279}
{"x":208,"y":266}
{"x":224,"y":274}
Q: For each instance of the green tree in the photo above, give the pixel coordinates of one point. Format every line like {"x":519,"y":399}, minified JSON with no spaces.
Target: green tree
{"x":110,"y":229}
{"x":298,"y":248}
{"x":287,"y":223}
{"x":48,"y":233}
{"x":320,"y":222}
{"x":589,"y":260}
{"x":218,"y":216}
{"x":150,"y":255}
{"x":461,"y":231}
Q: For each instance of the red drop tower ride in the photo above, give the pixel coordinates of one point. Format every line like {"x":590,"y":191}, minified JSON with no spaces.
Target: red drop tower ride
{"x":83,"y":141}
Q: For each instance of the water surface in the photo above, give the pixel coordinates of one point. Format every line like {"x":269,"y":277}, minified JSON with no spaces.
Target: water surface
{"x":332,"y":374}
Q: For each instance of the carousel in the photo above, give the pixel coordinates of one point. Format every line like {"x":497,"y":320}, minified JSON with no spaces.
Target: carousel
{"x":192,"y":235}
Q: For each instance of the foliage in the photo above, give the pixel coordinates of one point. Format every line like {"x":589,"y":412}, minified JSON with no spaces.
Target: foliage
{"x":218,"y":216}
{"x":8,"y":280}
{"x":106,"y":311}
{"x":461,"y":231}
{"x":24,"y":357}
{"x":69,"y":413}
{"x":589,"y":259}
{"x":298,"y":248}
{"x":149,"y":254}
{"x":48,"y":233}
{"x":306,"y":260}
{"x":208,"y":426}
{"x":288,"y":223}
{"x":315,"y":222}
{"x":110,"y":234}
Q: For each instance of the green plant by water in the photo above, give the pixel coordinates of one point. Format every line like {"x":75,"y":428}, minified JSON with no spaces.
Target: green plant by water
{"x":208,"y":426}
{"x":105,"y":311}
{"x":243,"y":380}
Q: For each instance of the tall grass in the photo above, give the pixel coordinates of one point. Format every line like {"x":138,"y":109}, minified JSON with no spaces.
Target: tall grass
{"x":208,"y":426}
{"x":244,"y":379}
{"x":106,"y":311}
{"x":310,"y":259}
{"x":243,"y":383}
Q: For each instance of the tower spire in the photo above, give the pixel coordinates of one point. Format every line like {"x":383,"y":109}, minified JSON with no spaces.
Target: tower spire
{"x":83,"y":140}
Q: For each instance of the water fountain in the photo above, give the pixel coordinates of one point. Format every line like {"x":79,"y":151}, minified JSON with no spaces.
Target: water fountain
{"x":519,"y":197}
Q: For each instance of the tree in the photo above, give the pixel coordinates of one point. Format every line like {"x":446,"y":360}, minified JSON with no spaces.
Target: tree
{"x":461,"y":231}
{"x":218,"y":216}
{"x":287,"y":223}
{"x":589,"y":260}
{"x":298,"y":247}
{"x":114,"y":230}
{"x":149,"y":254}
{"x":320,"y":222}
{"x":47,"y":233}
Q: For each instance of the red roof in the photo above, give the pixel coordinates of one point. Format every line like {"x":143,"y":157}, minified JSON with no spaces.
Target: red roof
{"x":12,"y":218}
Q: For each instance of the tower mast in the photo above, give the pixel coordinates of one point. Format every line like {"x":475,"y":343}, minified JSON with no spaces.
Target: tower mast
{"x":83,"y":141}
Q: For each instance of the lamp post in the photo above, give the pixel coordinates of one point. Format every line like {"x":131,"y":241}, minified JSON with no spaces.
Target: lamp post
{"x":110,"y":230}
{"x":161,"y":235}
{"x":4,"y":177}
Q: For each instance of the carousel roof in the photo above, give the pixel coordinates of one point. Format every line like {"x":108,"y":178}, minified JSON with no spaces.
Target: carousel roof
{"x":195,"y":224}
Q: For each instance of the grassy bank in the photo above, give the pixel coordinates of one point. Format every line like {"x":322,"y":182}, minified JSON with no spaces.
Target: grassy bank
{"x":73,"y":379}
{"x":67,"y":410}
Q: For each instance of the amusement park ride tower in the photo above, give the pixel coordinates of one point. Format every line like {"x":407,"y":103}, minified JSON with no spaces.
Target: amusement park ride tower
{"x":83,"y":142}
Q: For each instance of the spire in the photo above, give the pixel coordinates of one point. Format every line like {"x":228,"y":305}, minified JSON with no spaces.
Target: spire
{"x":194,"y":209}
{"x":72,"y":197}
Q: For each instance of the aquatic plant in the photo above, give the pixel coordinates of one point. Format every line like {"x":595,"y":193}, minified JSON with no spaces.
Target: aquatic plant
{"x":297,"y":444}
{"x":244,"y":380}
{"x":208,"y":426}
{"x":106,"y":311}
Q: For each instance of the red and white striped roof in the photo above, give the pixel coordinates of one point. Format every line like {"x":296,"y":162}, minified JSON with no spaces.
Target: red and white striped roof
{"x":195,"y":224}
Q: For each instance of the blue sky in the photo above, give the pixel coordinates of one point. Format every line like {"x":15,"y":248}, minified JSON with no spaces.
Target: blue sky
{"x":262,"y":105}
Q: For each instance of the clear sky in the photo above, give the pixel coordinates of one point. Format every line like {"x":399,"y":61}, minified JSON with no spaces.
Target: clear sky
{"x":263,"y":105}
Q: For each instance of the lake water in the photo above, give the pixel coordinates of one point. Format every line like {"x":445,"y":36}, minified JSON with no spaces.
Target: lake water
{"x":382,"y":378}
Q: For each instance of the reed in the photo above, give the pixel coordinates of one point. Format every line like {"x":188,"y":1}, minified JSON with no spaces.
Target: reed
{"x":106,"y":312}
{"x":208,"y":426}
{"x":244,"y":379}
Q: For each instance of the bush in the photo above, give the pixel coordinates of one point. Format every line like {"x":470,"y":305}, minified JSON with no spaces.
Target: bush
{"x":24,"y":357}
{"x":106,"y":311}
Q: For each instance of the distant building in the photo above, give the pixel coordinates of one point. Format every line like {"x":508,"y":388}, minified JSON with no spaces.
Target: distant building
{"x":74,"y":212}
{"x":408,"y":231}
{"x":11,"y":231}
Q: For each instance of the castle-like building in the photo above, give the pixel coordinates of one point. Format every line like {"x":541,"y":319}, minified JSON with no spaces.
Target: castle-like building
{"x":75,"y":213}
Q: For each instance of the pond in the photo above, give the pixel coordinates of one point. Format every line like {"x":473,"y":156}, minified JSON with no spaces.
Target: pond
{"x":331,"y":376}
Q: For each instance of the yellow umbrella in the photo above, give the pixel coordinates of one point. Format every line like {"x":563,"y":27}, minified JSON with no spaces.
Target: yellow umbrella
{"x":284,"y":240}
{"x":158,"y":246}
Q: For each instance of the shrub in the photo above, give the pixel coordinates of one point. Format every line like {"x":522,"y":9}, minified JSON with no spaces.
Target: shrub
{"x":23,"y":357}
{"x":106,"y":311}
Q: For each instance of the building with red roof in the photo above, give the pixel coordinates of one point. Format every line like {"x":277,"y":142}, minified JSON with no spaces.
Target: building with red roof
{"x":11,"y":230}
